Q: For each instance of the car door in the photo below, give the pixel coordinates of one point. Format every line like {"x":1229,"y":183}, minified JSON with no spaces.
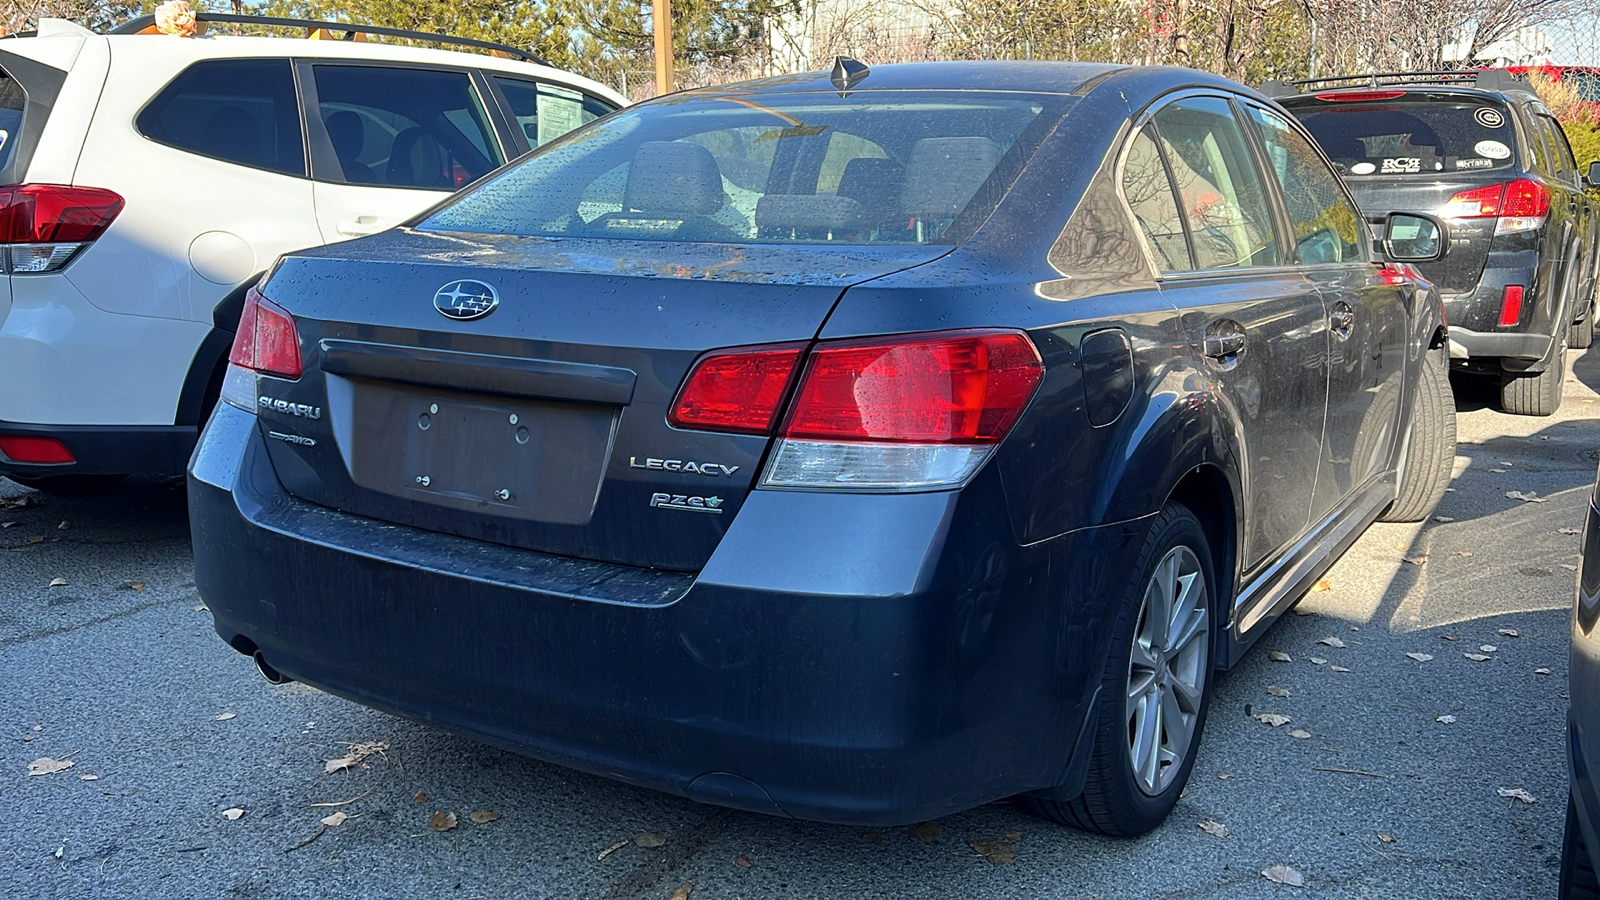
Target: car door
{"x":1368,"y":316}
{"x":1258,"y":323}
{"x":390,"y":141}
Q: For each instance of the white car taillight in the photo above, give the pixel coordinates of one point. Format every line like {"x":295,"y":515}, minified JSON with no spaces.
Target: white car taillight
{"x":43,"y":226}
{"x":905,"y":413}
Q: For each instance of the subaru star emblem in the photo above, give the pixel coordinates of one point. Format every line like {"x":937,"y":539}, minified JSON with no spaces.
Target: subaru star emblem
{"x":466,"y":299}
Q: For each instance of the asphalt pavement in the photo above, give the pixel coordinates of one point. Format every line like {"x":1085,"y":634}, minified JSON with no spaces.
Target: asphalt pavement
{"x":191,"y":777}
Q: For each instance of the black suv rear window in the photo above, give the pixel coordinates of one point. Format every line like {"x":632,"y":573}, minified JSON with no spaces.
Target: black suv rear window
{"x":894,"y":168}
{"x":1412,"y":138}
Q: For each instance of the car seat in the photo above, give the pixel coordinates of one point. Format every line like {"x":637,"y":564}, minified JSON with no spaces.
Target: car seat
{"x":673,"y":189}
{"x":231,"y":133}
{"x":942,"y":177}
{"x":415,"y":161}
{"x":348,"y":136}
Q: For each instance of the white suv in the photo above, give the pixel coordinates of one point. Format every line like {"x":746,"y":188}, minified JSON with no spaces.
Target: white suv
{"x":149,"y":180}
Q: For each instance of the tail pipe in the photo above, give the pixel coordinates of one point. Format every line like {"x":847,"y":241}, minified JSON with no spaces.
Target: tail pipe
{"x":273,"y":676}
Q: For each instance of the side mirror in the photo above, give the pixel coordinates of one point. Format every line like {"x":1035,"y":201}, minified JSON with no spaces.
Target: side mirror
{"x":1592,"y":177}
{"x":1414,"y":237}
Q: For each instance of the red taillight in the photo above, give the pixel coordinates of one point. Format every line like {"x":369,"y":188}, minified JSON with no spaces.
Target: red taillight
{"x":1518,"y":199}
{"x":55,"y":213}
{"x":736,"y":390}
{"x":1511,"y":305}
{"x":1525,"y":199}
{"x":27,"y":449}
{"x":1360,"y":96}
{"x":955,"y":388}
{"x":267,"y":341}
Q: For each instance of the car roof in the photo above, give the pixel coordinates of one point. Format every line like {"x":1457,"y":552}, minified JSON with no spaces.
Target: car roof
{"x":962,"y":75}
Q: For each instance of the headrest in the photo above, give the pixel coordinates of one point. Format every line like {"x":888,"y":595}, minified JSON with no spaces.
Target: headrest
{"x":945,"y":172}
{"x":875,"y":182}
{"x":673,"y":178}
{"x":808,"y":211}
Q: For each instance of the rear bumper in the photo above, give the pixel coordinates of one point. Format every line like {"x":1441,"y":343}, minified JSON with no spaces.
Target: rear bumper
{"x":107,"y":449}
{"x":849,"y":658}
{"x":1478,"y":341}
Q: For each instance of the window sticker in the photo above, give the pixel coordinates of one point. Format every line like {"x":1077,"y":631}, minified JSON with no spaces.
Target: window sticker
{"x":1489,"y":117}
{"x":1474,"y":163}
{"x":1492,"y":149}
{"x":1404,"y":165}
{"x":1363,"y":168}
{"x":559,"y":111}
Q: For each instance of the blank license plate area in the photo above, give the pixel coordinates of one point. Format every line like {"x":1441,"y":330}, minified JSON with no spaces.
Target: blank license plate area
{"x":537,"y":460}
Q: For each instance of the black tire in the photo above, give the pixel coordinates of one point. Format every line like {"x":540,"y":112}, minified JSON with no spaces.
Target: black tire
{"x":1578,"y":878}
{"x":1539,"y":394}
{"x":1113,"y":801}
{"x":69,"y":485}
{"x":1431,"y":449}
{"x":1580,"y":334}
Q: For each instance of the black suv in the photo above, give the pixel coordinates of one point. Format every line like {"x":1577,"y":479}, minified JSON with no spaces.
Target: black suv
{"x":1481,"y":151}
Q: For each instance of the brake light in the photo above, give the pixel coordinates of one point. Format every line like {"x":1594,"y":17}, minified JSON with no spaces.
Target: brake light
{"x":736,"y":390}
{"x":1511,"y":305}
{"x":1526,"y":199}
{"x":43,"y":226}
{"x":956,"y":388}
{"x":1520,"y":205}
{"x":1360,"y":96}
{"x":267,"y":340}
{"x":40,"y":450}
{"x":1478,"y":203}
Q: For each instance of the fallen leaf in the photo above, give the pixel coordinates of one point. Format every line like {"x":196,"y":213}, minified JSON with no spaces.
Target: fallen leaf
{"x":442,"y":821}
{"x":35,"y":538}
{"x":135,"y":585}
{"x":1316,"y":660}
{"x":612,"y":849}
{"x":233,"y":815}
{"x":1402,"y":547}
{"x":1284,"y":875}
{"x":1478,"y":657}
{"x":33,"y":733}
{"x":482,"y":816}
{"x":1300,"y":734}
{"x":1498,"y":471}
{"x":1214,"y":828}
{"x":681,"y":892}
{"x":1338,"y":669}
{"x":335,"y":820}
{"x":1569,"y":531}
{"x":1569,"y":567}
{"x":44,"y":765}
{"x":1463,"y":552}
{"x":1541,"y":671}
{"x":419,"y":797}
{"x":649,"y":840}
{"x":88,"y":776}
{"x":1527,"y":498}
{"x":6,"y":524}
{"x":1012,"y":836}
{"x":358,"y":752}
{"x":1276,"y":691}
{"x":1331,"y":641}
{"x":1273,"y":719}
{"x":743,"y":861}
{"x":1443,"y":519}
{"x":202,"y":608}
{"x":224,"y":716}
{"x":927,"y":831}
{"x":1450,"y":637}
{"x":998,"y":853}
{"x":1279,"y":656}
{"x":1516,"y":794}
{"x":1487,"y":648}
{"x":1386,"y":838}
{"x":58,"y":581}
{"x":1323,"y":585}
{"x":1224,"y":776}
{"x":1416,"y":560}
{"x":1420,"y":657}
{"x":1446,"y":719}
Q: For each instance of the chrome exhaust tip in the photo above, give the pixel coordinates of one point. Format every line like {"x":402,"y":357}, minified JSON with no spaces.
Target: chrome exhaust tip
{"x":273,"y":676}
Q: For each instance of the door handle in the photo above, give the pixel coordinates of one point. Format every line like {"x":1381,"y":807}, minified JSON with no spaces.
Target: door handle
{"x":1224,"y":341}
{"x":361,"y":226}
{"x":1342,"y":320}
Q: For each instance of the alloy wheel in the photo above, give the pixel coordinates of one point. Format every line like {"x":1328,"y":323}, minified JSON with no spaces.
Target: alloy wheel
{"x":1167,"y":669}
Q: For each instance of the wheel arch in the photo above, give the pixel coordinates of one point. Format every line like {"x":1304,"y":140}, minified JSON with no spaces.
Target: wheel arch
{"x":204,"y":380}
{"x":1207,"y":492}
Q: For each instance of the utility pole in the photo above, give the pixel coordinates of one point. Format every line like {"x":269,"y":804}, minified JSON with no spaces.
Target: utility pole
{"x":661,"y":14}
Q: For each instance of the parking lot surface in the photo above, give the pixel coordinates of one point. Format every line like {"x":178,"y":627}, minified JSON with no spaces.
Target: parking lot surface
{"x":192,"y":777}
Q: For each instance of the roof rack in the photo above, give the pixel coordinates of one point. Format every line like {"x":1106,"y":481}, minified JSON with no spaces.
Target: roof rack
{"x":325,"y":31}
{"x":1479,"y":79}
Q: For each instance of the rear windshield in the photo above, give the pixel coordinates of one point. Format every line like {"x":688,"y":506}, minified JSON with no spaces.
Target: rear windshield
{"x":1412,"y":138}
{"x":884,"y":168}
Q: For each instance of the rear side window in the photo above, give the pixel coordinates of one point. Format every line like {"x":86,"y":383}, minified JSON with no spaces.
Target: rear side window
{"x":1327,"y":228}
{"x":1155,"y":207}
{"x":1412,"y":138}
{"x":241,"y":111}
{"x":545,"y":112}
{"x":12,"y":101}
{"x":410,"y":128}
{"x":1219,"y":187}
{"x":808,"y":168}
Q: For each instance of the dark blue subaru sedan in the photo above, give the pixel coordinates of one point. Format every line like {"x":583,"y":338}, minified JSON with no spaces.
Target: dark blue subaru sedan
{"x":858,"y":448}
